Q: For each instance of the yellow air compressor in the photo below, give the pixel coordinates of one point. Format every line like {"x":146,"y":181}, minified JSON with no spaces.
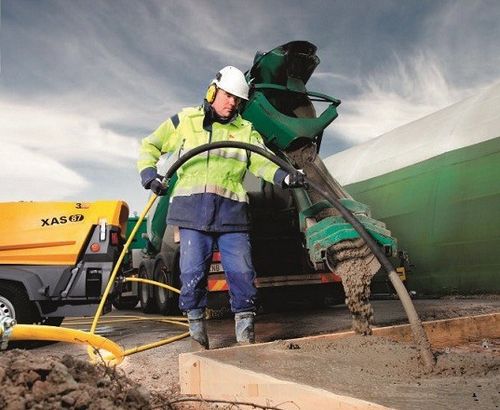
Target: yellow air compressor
{"x":56,"y":257}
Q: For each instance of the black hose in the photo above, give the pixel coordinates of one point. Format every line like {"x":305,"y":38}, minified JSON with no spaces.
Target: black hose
{"x":228,"y":144}
{"x":416,"y":325}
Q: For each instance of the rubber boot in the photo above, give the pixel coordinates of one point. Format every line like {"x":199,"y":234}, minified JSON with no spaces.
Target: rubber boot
{"x":244,"y":327}
{"x":198,"y":329}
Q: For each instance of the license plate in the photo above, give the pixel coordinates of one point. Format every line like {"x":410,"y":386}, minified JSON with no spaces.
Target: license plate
{"x":216,"y":268}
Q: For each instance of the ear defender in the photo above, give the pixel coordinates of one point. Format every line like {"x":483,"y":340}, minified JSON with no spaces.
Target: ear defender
{"x":212,"y":88}
{"x":211,"y":93}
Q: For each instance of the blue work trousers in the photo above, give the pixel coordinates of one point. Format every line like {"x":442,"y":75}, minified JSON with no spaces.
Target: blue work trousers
{"x":196,"y":255}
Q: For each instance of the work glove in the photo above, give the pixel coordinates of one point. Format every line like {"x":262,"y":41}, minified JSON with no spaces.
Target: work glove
{"x":295,"y":180}
{"x":158,"y":187}
{"x":150,"y":179}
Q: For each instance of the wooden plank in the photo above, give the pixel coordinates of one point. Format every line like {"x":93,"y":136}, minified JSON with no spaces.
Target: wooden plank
{"x":190,"y":373}
{"x":222,"y":381}
{"x":449,"y":332}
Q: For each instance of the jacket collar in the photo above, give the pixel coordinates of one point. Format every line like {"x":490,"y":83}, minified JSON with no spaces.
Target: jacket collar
{"x":210,"y":117}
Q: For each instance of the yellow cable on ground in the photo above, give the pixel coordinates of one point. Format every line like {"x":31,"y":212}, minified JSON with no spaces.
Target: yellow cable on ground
{"x":153,"y":282}
{"x":62,"y":334}
{"x":117,"y":267}
{"x":150,"y":346}
{"x":174,"y":322}
{"x":102,"y":322}
{"x":120,"y":319}
{"x":96,"y":342}
{"x":111,"y":280}
{"x":150,"y":317}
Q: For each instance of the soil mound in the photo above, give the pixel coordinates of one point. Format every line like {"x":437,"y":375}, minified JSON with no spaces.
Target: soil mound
{"x":40,"y":382}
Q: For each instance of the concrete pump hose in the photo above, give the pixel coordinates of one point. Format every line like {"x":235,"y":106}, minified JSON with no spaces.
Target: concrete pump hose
{"x":419,"y":334}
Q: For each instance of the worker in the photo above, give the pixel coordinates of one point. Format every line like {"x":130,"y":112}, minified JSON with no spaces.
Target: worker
{"x":208,"y":202}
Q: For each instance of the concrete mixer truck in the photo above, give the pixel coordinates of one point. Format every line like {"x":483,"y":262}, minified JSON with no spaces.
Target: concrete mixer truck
{"x":294,"y":233}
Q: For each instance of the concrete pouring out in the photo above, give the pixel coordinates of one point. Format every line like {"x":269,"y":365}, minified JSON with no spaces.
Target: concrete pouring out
{"x":356,"y":265}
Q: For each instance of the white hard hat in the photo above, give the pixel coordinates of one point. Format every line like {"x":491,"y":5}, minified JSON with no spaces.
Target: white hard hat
{"x":233,"y":81}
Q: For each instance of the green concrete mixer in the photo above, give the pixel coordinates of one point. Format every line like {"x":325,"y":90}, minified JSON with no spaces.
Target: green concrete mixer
{"x":298,"y":238}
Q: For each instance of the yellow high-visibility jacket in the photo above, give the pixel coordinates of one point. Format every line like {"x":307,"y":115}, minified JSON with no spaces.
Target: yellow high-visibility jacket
{"x":209,"y":193}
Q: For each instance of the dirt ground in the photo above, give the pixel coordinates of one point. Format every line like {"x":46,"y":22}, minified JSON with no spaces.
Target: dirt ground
{"x":30,"y":381}
{"x":157,"y":369}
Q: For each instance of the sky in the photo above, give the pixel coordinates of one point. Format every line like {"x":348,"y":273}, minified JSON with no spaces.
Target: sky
{"x":82,"y":82}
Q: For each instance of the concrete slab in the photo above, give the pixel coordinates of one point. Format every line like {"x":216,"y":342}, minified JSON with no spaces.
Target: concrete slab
{"x":214,"y":379}
{"x":234,"y":373}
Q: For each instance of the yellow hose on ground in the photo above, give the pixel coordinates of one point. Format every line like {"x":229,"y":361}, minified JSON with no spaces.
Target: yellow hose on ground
{"x":111,"y":280}
{"x":122,"y":318}
{"x":116,"y":268}
{"x":113,"y":321}
{"x":153,"y":282}
{"x":150,"y":346}
{"x":111,"y":317}
{"x":56,"y":334}
{"x":96,"y":342}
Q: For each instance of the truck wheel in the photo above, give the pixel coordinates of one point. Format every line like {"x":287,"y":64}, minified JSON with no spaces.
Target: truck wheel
{"x":14,"y":302}
{"x":145,"y":295}
{"x":166,"y":301}
{"x":125,"y":303}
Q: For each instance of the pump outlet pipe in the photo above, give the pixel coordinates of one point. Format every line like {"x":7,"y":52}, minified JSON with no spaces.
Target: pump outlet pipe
{"x":421,"y":340}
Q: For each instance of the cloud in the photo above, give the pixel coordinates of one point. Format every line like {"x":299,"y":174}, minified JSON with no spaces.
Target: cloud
{"x":449,"y":55}
{"x":63,"y":136}
{"x":28,"y":175}
{"x":399,"y":92}
{"x":326,"y":76}
{"x":464,"y":35}
{"x":41,"y":146}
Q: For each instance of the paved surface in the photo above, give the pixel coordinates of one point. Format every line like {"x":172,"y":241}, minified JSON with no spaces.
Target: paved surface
{"x":157,"y":369}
